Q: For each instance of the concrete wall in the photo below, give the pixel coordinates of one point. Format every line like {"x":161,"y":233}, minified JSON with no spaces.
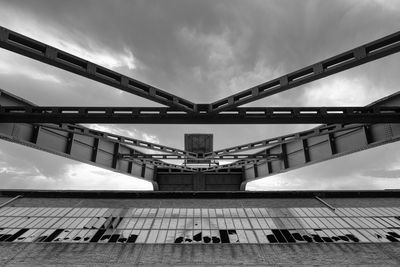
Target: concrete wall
{"x":35,"y":254}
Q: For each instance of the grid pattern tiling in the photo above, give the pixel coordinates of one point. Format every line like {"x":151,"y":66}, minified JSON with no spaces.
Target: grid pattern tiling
{"x":199,"y":225}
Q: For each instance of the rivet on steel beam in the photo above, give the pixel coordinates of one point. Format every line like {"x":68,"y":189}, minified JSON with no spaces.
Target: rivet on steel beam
{"x":3,"y":34}
{"x":254,"y":91}
{"x":360,"y":52}
{"x":152,"y":91}
{"x":318,"y":68}
{"x":284,"y":80}
{"x":51,"y":52}
{"x":124,"y":80}
{"x":91,"y":68}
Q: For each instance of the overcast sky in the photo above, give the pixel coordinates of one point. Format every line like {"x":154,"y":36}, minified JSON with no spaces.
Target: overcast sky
{"x":202,"y":51}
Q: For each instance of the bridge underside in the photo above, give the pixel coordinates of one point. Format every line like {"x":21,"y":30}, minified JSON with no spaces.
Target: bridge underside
{"x":56,"y":129}
{"x":95,"y":149}
{"x":200,"y":181}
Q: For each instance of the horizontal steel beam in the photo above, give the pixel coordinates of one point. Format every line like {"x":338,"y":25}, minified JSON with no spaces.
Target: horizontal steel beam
{"x":278,"y":115}
{"x":80,"y":143}
{"x":323,"y":130}
{"x":303,"y":152}
{"x":221,"y":157}
{"x":374,"y":50}
{"x":320,"y":130}
{"x":8,"y":98}
{"x":42,"y":52}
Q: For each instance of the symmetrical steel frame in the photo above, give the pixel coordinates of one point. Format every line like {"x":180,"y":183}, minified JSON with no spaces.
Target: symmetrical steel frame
{"x":54,"y":129}
{"x":327,"y":115}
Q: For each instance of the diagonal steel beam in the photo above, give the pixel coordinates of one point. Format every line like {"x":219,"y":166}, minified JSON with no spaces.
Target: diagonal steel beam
{"x":237,"y":164}
{"x":96,"y":149}
{"x":275,"y":115}
{"x":371,"y":51}
{"x":304,"y":136}
{"x":162,"y":164}
{"x":81,"y":130}
{"x":282,"y":139}
{"x":42,"y":52}
{"x":77,"y":129}
{"x":303,"y":152}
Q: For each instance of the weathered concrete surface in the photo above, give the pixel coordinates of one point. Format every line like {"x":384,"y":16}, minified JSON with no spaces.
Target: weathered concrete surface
{"x":41,"y":254}
{"x":203,"y":203}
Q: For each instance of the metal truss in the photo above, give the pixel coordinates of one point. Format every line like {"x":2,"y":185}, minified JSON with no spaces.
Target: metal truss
{"x":54,"y":129}
{"x":282,"y":139}
{"x":238,"y":164}
{"x":304,"y":137}
{"x":77,"y":129}
{"x":162,"y":164}
{"x":85,"y":149}
{"x":278,"y":115}
{"x":33,"y":49}
{"x":301,"y":152}
{"x":352,"y":58}
{"x":221,"y":157}
{"x":98,"y":148}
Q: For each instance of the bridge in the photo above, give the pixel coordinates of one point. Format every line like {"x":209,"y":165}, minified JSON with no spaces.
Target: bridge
{"x":57,"y":130}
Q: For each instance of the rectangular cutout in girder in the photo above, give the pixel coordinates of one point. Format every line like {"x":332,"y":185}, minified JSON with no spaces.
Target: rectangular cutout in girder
{"x":72,"y":60}
{"x":108,"y":74}
{"x":27,"y":43}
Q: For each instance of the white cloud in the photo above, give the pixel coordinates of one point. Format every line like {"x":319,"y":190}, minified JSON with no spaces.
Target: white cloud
{"x":76,"y":177}
{"x":130,"y":132}
{"x":150,"y":138}
{"x":374,"y":168}
{"x":341,"y":91}
{"x":94,"y":52}
{"x":84,"y":176}
{"x":133,"y":133}
{"x":120,"y":130}
{"x":387,"y":5}
{"x":77,"y":43}
{"x":11,"y":65}
{"x":216,"y":47}
{"x":222,"y":52}
{"x":25,"y":167}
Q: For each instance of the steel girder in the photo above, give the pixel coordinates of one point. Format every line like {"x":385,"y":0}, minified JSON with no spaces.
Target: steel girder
{"x":283,"y":139}
{"x":294,"y":152}
{"x":31,"y":48}
{"x":94,"y":151}
{"x":85,"y":145}
{"x":371,"y":51}
{"x":220,"y":157}
{"x":73,"y":130}
{"x":278,"y":115}
{"x":123,"y":140}
{"x":325,"y":129}
{"x":302,"y":152}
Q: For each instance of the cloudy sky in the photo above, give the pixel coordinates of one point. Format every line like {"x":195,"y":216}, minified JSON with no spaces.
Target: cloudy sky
{"x":202,"y":51}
